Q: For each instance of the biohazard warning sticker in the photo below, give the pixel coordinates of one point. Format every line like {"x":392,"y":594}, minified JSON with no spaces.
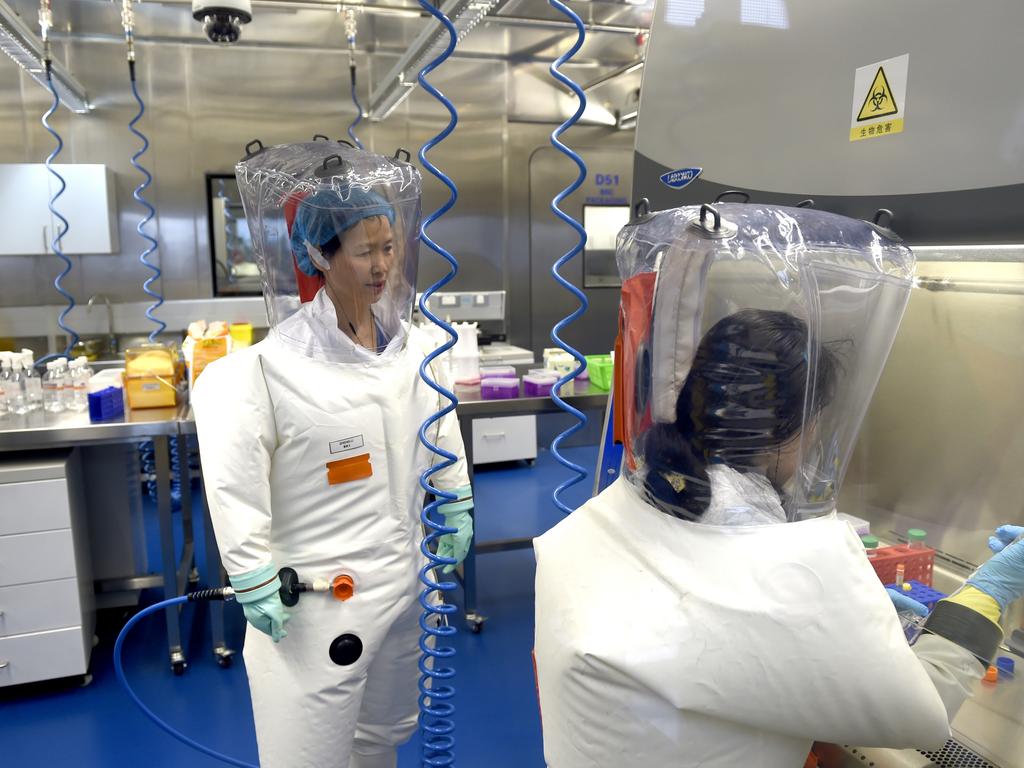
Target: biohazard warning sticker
{"x":879,"y":99}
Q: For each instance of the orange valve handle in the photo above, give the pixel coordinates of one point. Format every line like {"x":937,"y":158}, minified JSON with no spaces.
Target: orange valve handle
{"x":343,"y":587}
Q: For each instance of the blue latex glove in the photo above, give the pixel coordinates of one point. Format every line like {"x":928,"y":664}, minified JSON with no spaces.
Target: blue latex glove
{"x":456,"y":545}
{"x":257,"y":593}
{"x":1004,"y":536}
{"x":904,"y":602}
{"x":1002,"y":577}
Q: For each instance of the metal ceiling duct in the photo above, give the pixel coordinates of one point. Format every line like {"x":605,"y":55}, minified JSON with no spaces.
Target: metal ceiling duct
{"x":401,"y":80}
{"x":19,"y":42}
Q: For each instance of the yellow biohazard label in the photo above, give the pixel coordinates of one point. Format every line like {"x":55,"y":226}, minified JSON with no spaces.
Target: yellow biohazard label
{"x":876,"y":129}
{"x":879,"y":101}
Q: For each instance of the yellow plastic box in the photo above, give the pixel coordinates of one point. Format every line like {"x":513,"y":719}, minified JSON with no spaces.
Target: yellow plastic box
{"x":151,"y":376}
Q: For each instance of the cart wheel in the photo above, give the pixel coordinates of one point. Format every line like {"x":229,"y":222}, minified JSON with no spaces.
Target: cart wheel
{"x":224,"y":656}
{"x":86,"y":681}
{"x":475,"y":623}
{"x":179,"y":667}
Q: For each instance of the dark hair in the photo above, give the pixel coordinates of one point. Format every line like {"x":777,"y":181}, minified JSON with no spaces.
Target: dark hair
{"x":742,"y":400}
{"x":331,"y":247}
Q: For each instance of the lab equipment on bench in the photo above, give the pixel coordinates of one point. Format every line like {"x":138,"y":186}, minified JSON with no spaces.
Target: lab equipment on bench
{"x":499,"y":389}
{"x":105,"y":395}
{"x":151,"y":376}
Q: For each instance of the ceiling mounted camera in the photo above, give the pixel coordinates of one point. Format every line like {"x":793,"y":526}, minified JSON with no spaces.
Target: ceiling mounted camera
{"x":222,"y":19}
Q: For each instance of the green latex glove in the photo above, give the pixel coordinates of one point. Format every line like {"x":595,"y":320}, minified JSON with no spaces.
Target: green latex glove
{"x":456,"y":545}
{"x":268,"y":616}
{"x":257,"y":593}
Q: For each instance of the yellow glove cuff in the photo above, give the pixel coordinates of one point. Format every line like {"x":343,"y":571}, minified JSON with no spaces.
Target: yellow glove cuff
{"x":978,"y":601}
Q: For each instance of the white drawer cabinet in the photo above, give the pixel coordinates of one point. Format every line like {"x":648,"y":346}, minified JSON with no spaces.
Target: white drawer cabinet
{"x":31,"y":557}
{"x":40,"y":606}
{"x":43,"y":655}
{"x":507,"y":438}
{"x":46,"y":597}
{"x":39,"y":505}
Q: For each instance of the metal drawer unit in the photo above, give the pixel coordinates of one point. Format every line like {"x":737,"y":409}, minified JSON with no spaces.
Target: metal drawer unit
{"x":47,"y":612}
{"x":506,"y":438}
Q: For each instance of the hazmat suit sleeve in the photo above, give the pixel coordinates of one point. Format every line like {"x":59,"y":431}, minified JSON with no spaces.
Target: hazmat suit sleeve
{"x":961,"y":637}
{"x":952,"y":669}
{"x":237,"y":438}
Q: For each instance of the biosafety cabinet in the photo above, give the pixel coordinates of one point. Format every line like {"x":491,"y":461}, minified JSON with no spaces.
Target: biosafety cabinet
{"x":47,"y":615}
{"x":914,"y":107}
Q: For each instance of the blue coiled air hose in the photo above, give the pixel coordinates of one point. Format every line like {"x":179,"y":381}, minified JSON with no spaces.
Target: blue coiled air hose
{"x":147,"y":462}
{"x":150,"y":212}
{"x":579,"y":472}
{"x":63,"y":226}
{"x":437,"y":710}
{"x":359,"y":107}
{"x":207,"y":594}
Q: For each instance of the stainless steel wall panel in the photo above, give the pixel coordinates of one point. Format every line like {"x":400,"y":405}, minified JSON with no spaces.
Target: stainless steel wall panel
{"x":204,"y":103}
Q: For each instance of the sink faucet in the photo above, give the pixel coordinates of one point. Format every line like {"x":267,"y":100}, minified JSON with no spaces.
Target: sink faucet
{"x":111,"y":338}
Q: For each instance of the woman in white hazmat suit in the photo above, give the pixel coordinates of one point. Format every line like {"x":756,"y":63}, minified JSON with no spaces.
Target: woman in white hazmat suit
{"x":708,"y":609}
{"x":311,"y":457}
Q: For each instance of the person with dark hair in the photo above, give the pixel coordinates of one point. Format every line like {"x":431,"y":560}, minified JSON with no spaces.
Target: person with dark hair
{"x":740,"y":410}
{"x":312,"y":459}
{"x":709,"y":608}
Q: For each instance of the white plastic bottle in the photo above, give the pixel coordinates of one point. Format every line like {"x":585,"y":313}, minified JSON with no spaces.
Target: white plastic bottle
{"x":5,"y":375}
{"x":84,"y":362}
{"x":33,"y":384}
{"x":53,"y":400}
{"x":79,"y":387}
{"x":17,"y":402}
{"x":67,"y":392}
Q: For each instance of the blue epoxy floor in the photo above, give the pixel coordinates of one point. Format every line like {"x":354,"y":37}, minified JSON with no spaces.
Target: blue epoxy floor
{"x":498,"y":726}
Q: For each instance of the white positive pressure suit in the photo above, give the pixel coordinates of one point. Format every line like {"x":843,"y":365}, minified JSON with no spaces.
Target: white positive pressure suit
{"x":691,"y":614}
{"x":311,"y":460}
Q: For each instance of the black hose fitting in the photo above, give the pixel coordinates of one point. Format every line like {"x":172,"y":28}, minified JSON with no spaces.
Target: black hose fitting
{"x":220,"y":593}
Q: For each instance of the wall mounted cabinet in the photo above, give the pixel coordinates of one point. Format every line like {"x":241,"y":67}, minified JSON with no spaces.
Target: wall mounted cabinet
{"x":89,"y":203}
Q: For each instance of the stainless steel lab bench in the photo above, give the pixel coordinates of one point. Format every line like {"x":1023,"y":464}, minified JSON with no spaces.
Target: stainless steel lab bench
{"x":41,"y":430}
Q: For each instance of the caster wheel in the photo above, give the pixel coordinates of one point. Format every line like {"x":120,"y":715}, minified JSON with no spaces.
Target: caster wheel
{"x":85,"y":682}
{"x":179,"y":667}
{"x":193,"y":577}
{"x":224,"y":656}
{"x":475,"y":623}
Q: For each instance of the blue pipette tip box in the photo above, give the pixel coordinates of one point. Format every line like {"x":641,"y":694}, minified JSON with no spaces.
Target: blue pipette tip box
{"x":106,"y":404}
{"x":920,"y":592}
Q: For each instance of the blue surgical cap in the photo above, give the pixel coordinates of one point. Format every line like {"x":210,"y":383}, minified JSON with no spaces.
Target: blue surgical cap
{"x":326,"y":215}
